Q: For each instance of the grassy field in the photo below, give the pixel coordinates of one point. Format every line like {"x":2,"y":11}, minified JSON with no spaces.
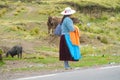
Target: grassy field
{"x":52,"y":63}
{"x":24,"y":22}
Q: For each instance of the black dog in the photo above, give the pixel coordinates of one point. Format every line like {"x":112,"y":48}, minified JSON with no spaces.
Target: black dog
{"x":15,"y":50}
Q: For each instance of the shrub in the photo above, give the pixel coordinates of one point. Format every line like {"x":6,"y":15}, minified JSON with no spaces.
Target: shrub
{"x":21,"y":28}
{"x":14,"y":28}
{"x":34,"y":31}
{"x":104,"y":40}
{"x":15,"y":14}
{"x":3,"y":11}
{"x":112,"y":19}
{"x":46,"y":12}
{"x":1,"y":54}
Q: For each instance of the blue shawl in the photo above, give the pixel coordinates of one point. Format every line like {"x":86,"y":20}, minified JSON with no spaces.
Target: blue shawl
{"x":74,"y":49}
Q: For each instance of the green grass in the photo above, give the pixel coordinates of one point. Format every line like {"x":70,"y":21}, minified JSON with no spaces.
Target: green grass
{"x":2,"y":63}
{"x":47,"y":48}
{"x":51,"y":63}
{"x":88,"y":49}
{"x":43,"y":60}
{"x":105,"y":3}
{"x":88,"y":61}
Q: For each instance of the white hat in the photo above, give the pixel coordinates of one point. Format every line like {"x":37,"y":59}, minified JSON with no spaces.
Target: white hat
{"x":68,"y":11}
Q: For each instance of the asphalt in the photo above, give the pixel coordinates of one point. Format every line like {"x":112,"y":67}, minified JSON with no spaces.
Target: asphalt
{"x":100,"y":73}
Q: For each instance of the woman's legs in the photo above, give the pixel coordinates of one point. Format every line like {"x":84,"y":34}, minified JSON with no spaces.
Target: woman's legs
{"x":66,"y":65}
{"x":64,"y":54}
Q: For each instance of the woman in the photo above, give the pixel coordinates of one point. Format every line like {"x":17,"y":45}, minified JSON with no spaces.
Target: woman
{"x":67,"y":51}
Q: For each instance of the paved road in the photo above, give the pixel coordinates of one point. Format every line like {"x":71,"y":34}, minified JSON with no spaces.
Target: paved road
{"x":101,"y":73}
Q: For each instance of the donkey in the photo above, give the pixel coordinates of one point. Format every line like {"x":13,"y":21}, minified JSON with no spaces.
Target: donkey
{"x":54,"y":21}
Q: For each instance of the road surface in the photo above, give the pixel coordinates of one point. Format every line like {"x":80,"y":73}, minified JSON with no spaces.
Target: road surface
{"x":101,"y":73}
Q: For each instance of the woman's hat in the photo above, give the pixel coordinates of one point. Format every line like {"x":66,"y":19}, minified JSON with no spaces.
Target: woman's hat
{"x":68,"y":11}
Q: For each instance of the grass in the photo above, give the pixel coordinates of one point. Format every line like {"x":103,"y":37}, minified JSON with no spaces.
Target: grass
{"x":2,"y":63}
{"x":47,"y":60}
{"x":85,"y":50}
{"x":88,"y":61}
{"x":52,"y":63}
{"x":105,"y":3}
{"x":47,"y":49}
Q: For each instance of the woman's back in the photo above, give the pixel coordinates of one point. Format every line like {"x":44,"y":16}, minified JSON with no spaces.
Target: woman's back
{"x":67,"y":25}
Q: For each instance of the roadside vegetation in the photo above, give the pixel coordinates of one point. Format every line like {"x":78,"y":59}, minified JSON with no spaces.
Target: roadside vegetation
{"x":24,"y":22}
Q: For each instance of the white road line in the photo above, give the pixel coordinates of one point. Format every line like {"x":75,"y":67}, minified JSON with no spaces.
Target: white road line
{"x":42,"y":76}
{"x":108,"y":67}
{"x":36,"y":77}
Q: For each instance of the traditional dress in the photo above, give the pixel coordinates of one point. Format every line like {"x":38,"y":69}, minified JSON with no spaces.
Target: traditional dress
{"x":69,"y":51}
